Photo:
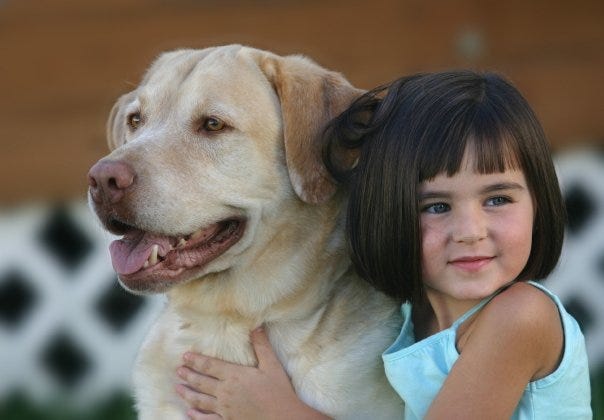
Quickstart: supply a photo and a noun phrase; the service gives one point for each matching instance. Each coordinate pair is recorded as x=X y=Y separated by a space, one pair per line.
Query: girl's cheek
x=432 y=231
x=433 y=239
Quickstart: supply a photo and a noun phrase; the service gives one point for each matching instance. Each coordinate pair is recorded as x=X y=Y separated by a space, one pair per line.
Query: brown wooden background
x=64 y=62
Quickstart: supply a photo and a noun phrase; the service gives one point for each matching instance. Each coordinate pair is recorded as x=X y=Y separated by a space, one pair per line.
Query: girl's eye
x=134 y=120
x=436 y=208
x=497 y=201
x=213 y=124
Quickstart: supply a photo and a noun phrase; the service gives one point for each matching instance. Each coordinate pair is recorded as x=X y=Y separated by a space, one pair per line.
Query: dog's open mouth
x=141 y=254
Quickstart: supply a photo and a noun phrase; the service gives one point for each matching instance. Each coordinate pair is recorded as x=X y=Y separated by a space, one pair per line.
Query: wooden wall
x=64 y=62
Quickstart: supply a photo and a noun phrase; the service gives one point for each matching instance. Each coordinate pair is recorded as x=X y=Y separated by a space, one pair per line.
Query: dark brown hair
x=418 y=127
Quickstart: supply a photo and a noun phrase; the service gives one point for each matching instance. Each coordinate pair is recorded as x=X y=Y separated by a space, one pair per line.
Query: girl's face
x=476 y=231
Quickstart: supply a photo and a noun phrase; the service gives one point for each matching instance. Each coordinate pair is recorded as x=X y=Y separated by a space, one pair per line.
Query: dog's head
x=201 y=153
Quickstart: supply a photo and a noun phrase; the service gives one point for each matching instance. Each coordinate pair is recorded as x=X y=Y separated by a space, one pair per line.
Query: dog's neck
x=313 y=263
x=286 y=289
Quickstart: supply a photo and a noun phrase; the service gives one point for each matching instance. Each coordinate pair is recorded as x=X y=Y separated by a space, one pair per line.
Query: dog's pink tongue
x=129 y=254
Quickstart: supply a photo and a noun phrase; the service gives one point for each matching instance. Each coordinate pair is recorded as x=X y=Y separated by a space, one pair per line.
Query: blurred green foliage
x=597 y=394
x=17 y=407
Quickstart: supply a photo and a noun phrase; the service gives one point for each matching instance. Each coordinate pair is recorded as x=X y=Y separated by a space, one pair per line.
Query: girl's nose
x=469 y=226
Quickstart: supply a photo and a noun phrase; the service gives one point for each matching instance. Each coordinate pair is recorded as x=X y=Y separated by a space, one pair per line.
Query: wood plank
x=63 y=63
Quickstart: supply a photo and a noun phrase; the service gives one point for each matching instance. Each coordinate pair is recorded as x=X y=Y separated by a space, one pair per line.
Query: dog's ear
x=310 y=97
x=116 y=123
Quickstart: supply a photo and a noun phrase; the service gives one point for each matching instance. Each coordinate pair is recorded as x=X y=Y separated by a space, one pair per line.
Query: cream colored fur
x=290 y=271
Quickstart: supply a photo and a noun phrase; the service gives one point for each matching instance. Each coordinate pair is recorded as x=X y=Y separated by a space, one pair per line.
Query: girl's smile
x=471 y=263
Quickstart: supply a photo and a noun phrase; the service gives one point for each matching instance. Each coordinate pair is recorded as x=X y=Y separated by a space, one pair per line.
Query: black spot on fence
x=577 y=309
x=580 y=208
x=17 y=298
x=65 y=360
x=63 y=239
x=118 y=307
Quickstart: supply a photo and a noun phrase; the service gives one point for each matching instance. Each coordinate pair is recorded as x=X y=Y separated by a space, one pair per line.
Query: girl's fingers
x=196 y=400
x=264 y=350
x=200 y=383
x=199 y=415
x=206 y=365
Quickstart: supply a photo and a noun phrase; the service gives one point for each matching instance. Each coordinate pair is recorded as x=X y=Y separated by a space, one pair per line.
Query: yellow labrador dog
x=216 y=183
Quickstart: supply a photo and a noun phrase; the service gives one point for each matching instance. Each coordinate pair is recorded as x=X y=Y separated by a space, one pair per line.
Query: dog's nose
x=109 y=180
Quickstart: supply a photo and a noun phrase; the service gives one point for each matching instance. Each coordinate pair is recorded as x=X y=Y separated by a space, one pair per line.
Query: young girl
x=455 y=208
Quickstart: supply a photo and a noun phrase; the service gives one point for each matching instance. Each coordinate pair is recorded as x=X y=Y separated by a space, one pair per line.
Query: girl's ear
x=116 y=123
x=310 y=97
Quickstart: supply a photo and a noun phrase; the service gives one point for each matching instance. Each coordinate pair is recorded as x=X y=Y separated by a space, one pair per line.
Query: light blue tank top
x=417 y=370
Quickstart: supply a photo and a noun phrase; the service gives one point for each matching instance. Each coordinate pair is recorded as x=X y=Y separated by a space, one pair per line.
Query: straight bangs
x=472 y=128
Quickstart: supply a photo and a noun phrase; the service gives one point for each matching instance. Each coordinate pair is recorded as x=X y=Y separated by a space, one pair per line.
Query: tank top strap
x=471 y=312
x=477 y=307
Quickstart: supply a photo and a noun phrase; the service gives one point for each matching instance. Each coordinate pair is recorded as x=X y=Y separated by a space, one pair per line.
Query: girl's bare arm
x=516 y=338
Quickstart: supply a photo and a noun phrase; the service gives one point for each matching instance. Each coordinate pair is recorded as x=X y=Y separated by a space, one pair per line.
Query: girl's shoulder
x=523 y=319
x=521 y=306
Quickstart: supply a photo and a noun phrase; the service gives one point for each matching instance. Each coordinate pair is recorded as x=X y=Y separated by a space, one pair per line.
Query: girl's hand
x=217 y=389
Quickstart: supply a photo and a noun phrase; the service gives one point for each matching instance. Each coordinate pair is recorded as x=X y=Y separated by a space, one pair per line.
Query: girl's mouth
x=471 y=264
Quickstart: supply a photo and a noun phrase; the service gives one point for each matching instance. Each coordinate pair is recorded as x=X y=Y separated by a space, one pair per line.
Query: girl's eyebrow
x=502 y=186
x=428 y=195
x=499 y=186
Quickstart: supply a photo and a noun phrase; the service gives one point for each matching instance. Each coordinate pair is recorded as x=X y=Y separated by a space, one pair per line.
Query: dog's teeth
x=196 y=234
x=181 y=243
x=153 y=257
x=146 y=264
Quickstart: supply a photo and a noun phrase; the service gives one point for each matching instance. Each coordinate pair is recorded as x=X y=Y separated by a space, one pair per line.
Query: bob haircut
x=416 y=128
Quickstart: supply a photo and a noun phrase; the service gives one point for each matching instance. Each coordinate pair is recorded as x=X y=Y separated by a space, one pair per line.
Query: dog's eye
x=134 y=120
x=213 y=124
